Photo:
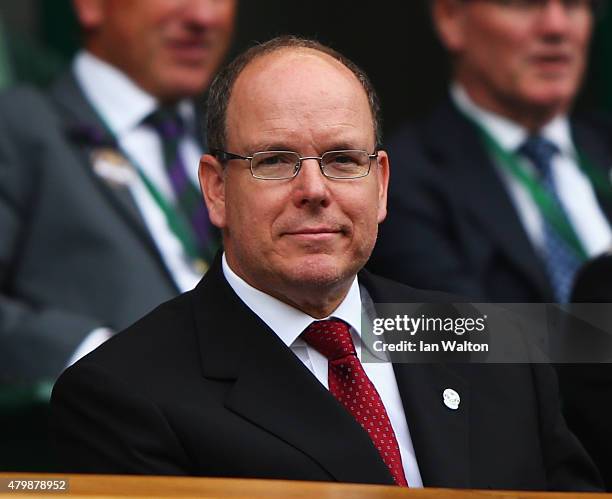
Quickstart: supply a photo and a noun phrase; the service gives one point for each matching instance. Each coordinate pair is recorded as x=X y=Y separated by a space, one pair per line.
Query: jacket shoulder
x=384 y=290
x=159 y=341
x=27 y=112
x=24 y=99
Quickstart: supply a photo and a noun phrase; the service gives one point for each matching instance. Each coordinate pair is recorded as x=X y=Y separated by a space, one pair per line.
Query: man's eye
x=277 y=160
x=344 y=159
x=270 y=161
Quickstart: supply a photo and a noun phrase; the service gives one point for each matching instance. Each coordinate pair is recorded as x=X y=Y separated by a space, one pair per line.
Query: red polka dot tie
x=349 y=383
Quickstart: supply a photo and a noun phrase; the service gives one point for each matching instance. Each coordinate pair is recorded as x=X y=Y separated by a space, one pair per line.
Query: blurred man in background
x=501 y=194
x=98 y=183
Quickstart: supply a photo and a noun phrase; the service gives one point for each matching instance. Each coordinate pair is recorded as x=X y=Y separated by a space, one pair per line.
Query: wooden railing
x=91 y=486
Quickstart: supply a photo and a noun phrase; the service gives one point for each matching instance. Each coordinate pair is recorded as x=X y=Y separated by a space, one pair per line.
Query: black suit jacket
x=202 y=386
x=452 y=224
x=586 y=388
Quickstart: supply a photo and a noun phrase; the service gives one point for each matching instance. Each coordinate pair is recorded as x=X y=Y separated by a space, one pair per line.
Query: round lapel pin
x=451 y=399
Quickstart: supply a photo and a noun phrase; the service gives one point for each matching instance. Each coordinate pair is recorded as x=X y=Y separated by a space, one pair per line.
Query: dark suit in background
x=452 y=224
x=202 y=386
x=76 y=254
x=79 y=251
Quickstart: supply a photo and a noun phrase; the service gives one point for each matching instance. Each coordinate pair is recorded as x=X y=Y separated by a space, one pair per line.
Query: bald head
x=222 y=88
x=308 y=84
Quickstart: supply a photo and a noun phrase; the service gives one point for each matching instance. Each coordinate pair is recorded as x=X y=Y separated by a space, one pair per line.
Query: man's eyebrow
x=344 y=145
x=332 y=146
x=266 y=146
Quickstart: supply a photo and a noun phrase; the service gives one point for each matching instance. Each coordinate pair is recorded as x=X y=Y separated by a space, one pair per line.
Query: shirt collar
x=508 y=134
x=286 y=321
x=121 y=103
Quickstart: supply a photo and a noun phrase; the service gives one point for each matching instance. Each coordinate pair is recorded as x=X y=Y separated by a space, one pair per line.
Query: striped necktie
x=188 y=199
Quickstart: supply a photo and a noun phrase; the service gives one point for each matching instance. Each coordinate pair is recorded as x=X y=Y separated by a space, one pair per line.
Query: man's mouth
x=552 y=62
x=317 y=233
x=195 y=50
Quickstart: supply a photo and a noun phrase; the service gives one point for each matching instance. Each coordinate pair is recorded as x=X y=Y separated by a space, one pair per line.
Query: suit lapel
x=87 y=133
x=457 y=150
x=440 y=435
x=275 y=391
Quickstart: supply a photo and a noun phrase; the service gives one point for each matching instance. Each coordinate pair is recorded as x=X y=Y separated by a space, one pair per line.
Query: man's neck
x=318 y=300
x=316 y=305
x=285 y=319
x=508 y=134
x=110 y=59
x=530 y=116
x=315 y=300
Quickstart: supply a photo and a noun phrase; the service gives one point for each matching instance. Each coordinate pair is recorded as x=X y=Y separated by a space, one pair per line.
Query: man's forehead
x=287 y=56
x=294 y=75
x=289 y=67
x=285 y=89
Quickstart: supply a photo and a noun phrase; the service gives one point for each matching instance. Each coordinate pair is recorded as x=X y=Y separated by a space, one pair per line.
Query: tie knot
x=540 y=151
x=167 y=122
x=330 y=338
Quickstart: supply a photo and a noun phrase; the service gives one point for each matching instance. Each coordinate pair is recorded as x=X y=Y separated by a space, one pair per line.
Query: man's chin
x=551 y=94
x=183 y=82
x=318 y=270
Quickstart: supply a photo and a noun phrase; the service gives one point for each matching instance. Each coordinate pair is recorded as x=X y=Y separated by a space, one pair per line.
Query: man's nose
x=555 y=17
x=311 y=187
x=205 y=12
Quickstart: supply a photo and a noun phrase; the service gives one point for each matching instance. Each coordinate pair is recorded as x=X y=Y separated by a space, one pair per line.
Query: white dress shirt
x=122 y=106
x=289 y=323
x=573 y=186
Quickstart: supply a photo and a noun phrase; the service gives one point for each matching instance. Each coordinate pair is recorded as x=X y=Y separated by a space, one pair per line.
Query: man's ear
x=212 y=183
x=90 y=13
x=383 y=184
x=448 y=19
